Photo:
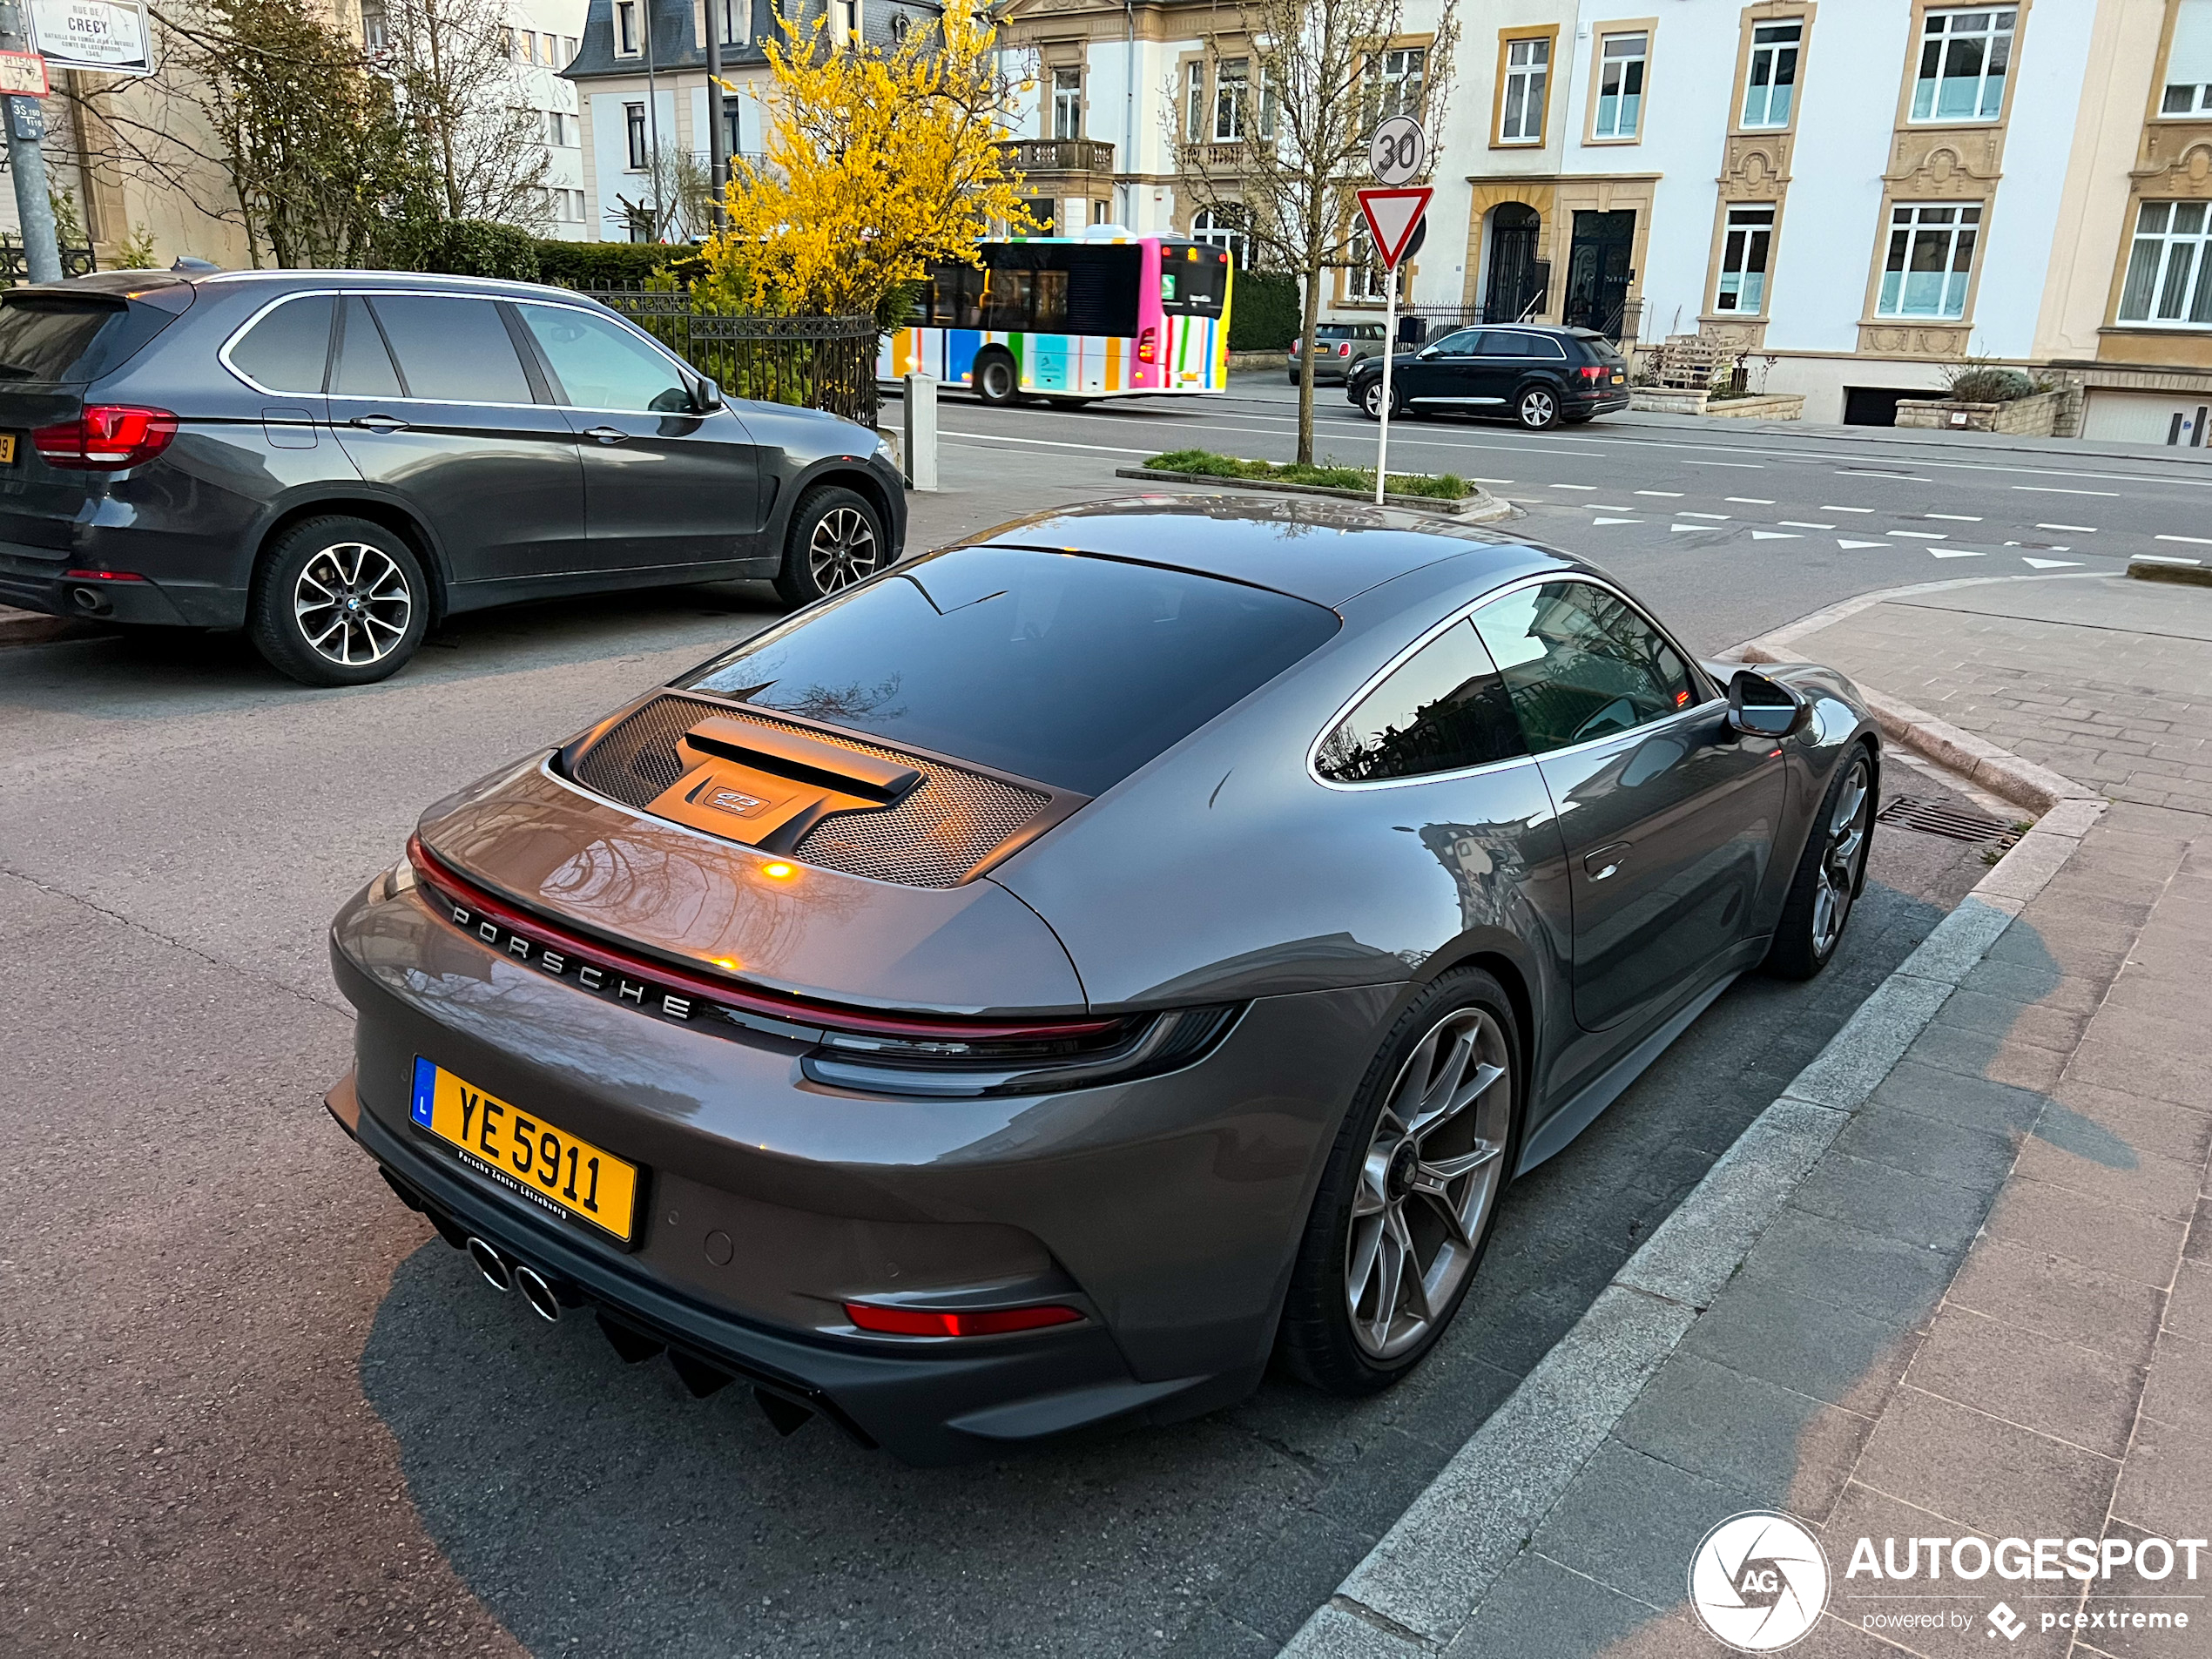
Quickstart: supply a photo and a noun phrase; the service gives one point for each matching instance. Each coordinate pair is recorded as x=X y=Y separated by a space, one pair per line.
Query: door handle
x=378 y=423
x=607 y=434
x=1605 y=860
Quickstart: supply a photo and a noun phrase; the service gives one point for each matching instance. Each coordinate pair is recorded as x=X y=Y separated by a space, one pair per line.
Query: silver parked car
x=1338 y=347
x=1038 y=984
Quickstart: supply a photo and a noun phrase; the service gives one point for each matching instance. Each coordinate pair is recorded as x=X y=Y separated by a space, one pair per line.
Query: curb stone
x=1420 y=1585
x=1479 y=508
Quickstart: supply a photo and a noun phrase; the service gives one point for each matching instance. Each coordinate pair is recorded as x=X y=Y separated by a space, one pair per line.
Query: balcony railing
x=1060 y=155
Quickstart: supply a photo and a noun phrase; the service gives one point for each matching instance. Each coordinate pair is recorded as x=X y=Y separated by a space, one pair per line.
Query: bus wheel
x=995 y=380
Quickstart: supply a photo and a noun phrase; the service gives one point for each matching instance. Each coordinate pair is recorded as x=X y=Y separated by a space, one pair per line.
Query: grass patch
x=1436 y=485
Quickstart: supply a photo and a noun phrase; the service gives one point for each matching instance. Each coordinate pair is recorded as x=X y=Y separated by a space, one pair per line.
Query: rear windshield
x=1070 y=669
x=59 y=337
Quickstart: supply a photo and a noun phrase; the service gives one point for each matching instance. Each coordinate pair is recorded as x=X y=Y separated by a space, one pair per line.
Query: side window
x=1581 y=663
x=288 y=349
x=1442 y=709
x=1462 y=344
x=364 y=367
x=452 y=350
x=598 y=364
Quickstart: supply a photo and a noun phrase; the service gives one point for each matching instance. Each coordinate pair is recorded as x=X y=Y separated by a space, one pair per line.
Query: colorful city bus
x=1072 y=318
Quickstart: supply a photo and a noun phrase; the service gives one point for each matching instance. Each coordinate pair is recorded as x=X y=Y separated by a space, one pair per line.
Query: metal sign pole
x=27 y=161
x=1390 y=350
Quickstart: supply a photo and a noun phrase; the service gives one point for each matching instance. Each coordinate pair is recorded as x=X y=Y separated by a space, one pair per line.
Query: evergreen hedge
x=602 y=265
x=1264 y=312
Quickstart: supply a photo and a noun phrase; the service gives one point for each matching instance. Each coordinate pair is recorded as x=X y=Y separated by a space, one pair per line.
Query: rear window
x=1070 y=669
x=60 y=337
x=451 y=350
x=287 y=351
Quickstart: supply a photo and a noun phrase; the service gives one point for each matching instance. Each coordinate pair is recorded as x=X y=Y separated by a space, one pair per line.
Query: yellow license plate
x=7 y=449
x=525 y=1154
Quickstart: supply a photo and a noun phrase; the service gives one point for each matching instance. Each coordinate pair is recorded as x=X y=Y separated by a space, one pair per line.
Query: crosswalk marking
x=1776 y=535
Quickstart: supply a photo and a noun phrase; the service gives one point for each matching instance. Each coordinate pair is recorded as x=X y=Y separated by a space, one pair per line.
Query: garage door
x=2147 y=417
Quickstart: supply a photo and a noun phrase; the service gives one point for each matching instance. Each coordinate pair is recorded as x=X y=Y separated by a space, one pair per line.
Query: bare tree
x=676 y=202
x=1280 y=150
x=452 y=66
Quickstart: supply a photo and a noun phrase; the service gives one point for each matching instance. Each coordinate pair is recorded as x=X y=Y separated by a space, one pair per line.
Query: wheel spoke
x=1435 y=1172
x=1412 y=1287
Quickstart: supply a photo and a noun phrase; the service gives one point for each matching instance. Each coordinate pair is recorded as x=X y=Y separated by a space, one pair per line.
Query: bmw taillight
x=1148 y=345
x=107 y=437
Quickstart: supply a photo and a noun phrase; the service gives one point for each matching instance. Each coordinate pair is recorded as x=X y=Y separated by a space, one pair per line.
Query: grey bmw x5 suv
x=334 y=460
x=1037 y=984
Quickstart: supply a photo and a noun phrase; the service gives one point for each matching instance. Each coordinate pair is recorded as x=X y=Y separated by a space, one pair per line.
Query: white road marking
x=1503 y=480
x=1955 y=553
x=2164 y=558
x=1606 y=507
x=1831 y=507
x=1678 y=529
x=1751 y=501
x=1869 y=472
x=1566 y=485
x=1674 y=493
x=2051 y=564
x=1050 y=443
x=1616 y=521
x=1775 y=536
x=2085 y=529
x=1721 y=517
x=1920 y=536
x=2053 y=489
x=1749 y=466
x=2049 y=547
x=1803 y=524
x=1956 y=518
x=1841 y=542
x=2193 y=540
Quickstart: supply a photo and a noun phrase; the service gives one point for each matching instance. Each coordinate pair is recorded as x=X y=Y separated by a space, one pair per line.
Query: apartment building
x=545 y=35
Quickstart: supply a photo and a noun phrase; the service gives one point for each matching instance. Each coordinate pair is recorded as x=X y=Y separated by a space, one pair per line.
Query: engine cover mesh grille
x=932 y=838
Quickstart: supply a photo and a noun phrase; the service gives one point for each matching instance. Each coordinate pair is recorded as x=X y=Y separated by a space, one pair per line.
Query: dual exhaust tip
x=505 y=1275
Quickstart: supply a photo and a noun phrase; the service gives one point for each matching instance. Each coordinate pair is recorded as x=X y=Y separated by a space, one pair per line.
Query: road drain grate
x=1938 y=818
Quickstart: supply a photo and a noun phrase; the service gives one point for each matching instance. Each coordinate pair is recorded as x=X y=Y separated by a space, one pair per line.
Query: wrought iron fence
x=819 y=363
x=15 y=264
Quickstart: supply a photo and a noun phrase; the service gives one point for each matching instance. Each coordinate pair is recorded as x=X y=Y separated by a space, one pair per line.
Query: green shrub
x=1264 y=312
x=606 y=265
x=1437 y=486
x=471 y=247
x=1987 y=383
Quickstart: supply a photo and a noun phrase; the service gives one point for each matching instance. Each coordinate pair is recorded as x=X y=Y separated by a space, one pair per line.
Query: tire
x=1343 y=1331
x=836 y=538
x=337 y=602
x=1831 y=871
x=996 y=379
x=1536 y=407
x=1293 y=377
x=1371 y=401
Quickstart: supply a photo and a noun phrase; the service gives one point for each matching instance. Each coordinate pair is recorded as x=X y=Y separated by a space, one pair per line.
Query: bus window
x=1102 y=288
x=954 y=299
x=1194 y=281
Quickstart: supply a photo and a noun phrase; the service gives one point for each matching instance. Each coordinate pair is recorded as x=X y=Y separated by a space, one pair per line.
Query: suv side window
x=1511 y=343
x=288 y=349
x=1463 y=344
x=364 y=367
x=1443 y=708
x=1579 y=663
x=451 y=349
x=598 y=364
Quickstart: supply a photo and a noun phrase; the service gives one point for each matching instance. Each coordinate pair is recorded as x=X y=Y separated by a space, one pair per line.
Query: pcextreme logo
x=1758 y=1582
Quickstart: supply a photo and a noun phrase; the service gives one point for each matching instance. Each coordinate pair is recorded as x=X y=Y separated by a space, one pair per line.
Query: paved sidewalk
x=1985 y=1310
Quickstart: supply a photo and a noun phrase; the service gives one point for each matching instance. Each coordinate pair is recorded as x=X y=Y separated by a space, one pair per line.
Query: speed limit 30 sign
x=1398 y=151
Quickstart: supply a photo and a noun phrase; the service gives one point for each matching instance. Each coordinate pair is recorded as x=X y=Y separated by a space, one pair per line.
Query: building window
x=1067 y=104
x=1228 y=80
x=625 y=28
x=567 y=49
x=633 y=125
x=525 y=44
x=1270 y=104
x=1771 y=90
x=1963 y=58
x=736 y=17
x=731 y=128
x=1931 y=254
x=1619 y=85
x=844 y=22
x=1744 y=245
x=1194 y=112
x=1366 y=282
x=2189 y=62
x=1528 y=64
x=374 y=30
x=2169 y=273
x=1220 y=228
x=1402 y=73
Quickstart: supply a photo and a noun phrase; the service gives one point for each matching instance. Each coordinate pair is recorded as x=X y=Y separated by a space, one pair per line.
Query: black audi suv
x=1539 y=376
x=335 y=460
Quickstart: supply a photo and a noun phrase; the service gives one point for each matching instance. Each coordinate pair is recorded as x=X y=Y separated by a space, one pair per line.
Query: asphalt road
x=250 y=1405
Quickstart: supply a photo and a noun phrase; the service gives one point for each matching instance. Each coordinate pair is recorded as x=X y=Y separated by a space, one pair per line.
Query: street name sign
x=109 y=37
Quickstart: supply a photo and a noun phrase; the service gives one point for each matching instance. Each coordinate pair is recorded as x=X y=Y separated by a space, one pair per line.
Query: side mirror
x=708 y=396
x=1426 y=351
x=1759 y=707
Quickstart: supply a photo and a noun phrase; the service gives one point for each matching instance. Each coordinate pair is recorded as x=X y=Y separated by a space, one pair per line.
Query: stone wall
x=1668 y=400
x=2034 y=416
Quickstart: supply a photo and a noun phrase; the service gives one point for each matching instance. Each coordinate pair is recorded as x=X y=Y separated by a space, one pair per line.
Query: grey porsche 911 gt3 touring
x=1038 y=984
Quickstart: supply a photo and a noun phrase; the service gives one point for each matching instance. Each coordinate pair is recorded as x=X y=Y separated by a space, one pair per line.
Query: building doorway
x=1598 y=272
x=1515 y=283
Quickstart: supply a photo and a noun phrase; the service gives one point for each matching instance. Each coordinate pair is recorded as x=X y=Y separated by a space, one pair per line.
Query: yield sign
x=1392 y=215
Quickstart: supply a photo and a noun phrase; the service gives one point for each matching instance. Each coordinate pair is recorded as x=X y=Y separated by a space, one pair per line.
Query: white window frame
x=375 y=28
x=1748 y=227
x=845 y=24
x=1921 y=224
x=635 y=135
x=1365 y=282
x=1941 y=36
x=1401 y=81
x=1231 y=79
x=625 y=28
x=1623 y=67
x=1777 y=47
x=1526 y=91
x=736 y=21
x=2186 y=89
x=1218 y=227
x=1067 y=101
x=1194 y=110
x=2169 y=269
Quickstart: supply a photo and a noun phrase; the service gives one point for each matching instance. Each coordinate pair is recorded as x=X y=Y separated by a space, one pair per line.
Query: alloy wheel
x=842 y=550
x=1538 y=408
x=353 y=603
x=1371 y=399
x=1433 y=1167
x=1846 y=850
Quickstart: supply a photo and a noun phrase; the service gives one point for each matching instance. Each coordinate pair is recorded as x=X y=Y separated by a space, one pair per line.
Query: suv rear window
x=50 y=337
x=1070 y=669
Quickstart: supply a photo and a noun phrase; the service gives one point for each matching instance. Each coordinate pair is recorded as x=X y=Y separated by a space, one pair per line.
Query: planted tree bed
x=1434 y=492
